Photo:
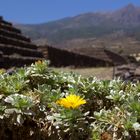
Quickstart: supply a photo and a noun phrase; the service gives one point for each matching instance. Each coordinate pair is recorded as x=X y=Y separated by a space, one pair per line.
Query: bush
x=38 y=103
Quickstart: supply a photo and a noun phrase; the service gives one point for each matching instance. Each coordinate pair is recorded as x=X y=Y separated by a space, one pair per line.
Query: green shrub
x=39 y=103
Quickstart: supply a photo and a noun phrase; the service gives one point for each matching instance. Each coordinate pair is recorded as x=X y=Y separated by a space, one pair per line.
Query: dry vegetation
x=101 y=73
x=116 y=42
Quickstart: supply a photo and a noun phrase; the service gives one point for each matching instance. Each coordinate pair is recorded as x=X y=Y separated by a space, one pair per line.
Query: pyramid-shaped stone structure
x=16 y=49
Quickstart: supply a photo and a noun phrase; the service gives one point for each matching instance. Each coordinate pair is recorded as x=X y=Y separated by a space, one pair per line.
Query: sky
x=40 y=11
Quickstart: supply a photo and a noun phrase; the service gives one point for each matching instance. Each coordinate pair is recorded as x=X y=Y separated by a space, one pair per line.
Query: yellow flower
x=38 y=62
x=71 y=101
x=2 y=71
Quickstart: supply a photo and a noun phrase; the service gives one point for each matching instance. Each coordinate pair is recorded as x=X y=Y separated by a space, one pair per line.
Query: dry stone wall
x=15 y=48
x=130 y=72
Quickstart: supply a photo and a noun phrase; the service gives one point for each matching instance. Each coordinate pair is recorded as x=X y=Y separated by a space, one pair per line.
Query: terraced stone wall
x=15 y=48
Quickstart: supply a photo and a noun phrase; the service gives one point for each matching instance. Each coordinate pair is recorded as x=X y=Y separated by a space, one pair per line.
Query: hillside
x=86 y=26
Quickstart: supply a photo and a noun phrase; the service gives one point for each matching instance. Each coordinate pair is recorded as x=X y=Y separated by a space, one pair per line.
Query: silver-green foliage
x=112 y=108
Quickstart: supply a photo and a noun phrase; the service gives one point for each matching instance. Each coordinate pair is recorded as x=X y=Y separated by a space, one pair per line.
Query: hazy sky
x=39 y=11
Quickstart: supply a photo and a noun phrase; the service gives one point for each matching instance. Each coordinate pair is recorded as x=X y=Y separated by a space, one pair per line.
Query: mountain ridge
x=88 y=25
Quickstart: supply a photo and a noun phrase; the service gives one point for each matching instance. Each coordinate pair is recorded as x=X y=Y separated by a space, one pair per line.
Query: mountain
x=86 y=26
x=129 y=15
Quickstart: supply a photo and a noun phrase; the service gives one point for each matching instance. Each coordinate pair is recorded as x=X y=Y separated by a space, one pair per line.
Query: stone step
x=15 y=42
x=11 y=34
x=5 y=22
x=9 y=28
x=10 y=49
x=18 y=61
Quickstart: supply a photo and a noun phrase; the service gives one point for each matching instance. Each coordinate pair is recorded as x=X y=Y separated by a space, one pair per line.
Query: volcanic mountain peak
x=86 y=25
x=129 y=15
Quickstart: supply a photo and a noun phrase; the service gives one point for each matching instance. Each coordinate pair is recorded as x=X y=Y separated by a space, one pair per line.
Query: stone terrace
x=16 y=49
